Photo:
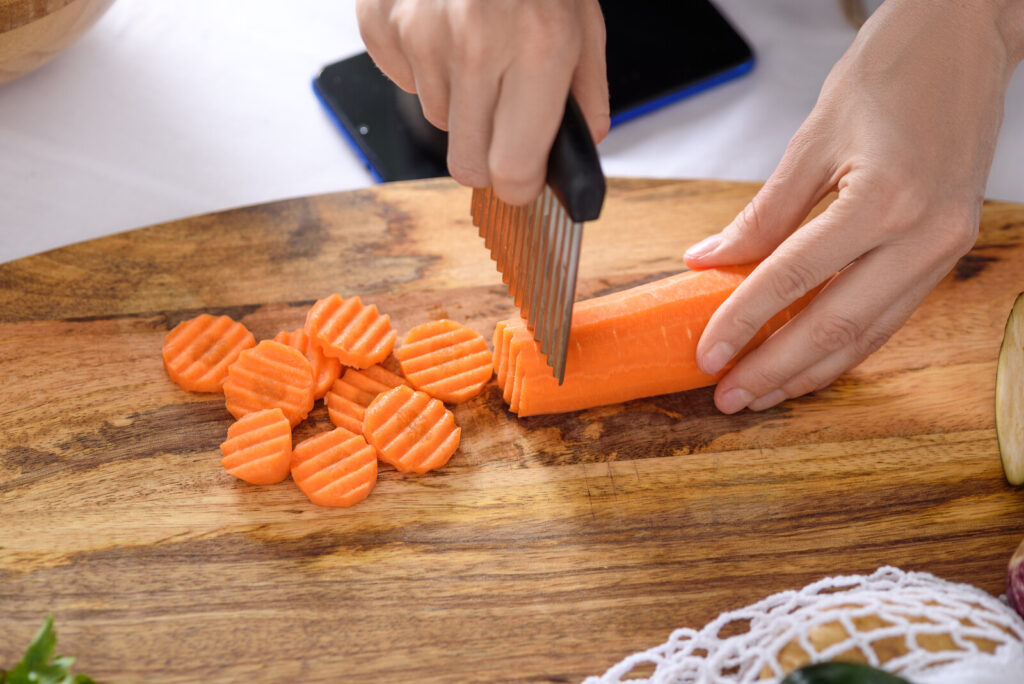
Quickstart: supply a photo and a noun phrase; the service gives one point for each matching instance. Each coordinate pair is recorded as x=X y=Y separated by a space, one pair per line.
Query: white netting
x=926 y=629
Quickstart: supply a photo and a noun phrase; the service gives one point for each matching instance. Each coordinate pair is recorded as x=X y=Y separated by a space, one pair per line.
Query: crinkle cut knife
x=537 y=245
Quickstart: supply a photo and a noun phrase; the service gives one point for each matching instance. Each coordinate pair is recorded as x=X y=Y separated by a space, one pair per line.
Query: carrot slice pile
x=197 y=352
x=259 y=447
x=325 y=369
x=352 y=393
x=411 y=430
x=270 y=375
x=637 y=343
x=358 y=335
x=446 y=360
x=336 y=468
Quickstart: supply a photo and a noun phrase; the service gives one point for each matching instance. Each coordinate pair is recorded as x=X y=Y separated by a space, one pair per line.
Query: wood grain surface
x=549 y=547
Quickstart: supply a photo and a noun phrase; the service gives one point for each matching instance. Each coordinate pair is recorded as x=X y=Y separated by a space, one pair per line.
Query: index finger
x=803 y=261
x=526 y=118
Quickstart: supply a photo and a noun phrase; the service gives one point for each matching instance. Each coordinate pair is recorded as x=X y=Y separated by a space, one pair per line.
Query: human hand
x=494 y=74
x=904 y=130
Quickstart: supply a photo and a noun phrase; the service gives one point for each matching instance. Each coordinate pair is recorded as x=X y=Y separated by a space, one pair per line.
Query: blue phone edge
x=353 y=143
x=620 y=118
x=690 y=90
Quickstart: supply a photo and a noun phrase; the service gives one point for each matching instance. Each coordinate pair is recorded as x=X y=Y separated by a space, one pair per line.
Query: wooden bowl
x=32 y=32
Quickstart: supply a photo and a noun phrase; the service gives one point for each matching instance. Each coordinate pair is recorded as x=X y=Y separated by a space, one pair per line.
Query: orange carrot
x=259 y=447
x=637 y=343
x=197 y=352
x=352 y=393
x=446 y=360
x=411 y=430
x=359 y=336
x=270 y=375
x=336 y=468
x=325 y=369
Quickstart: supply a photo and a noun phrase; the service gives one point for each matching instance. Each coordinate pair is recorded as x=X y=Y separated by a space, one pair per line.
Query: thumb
x=786 y=198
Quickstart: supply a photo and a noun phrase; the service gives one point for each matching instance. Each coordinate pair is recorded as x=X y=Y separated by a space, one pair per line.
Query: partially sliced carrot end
x=270 y=375
x=446 y=360
x=336 y=468
x=258 y=449
x=411 y=430
x=198 y=352
x=325 y=368
x=352 y=393
x=357 y=335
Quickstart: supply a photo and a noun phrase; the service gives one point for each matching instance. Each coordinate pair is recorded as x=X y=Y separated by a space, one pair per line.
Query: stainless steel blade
x=536 y=248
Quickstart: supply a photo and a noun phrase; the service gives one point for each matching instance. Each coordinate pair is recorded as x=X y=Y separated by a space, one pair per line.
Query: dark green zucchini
x=841 y=673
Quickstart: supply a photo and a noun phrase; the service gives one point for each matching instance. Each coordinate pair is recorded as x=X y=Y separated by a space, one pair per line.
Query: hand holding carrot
x=495 y=74
x=904 y=130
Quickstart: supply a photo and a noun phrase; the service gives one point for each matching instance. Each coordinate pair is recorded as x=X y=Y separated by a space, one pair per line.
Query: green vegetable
x=841 y=673
x=35 y=666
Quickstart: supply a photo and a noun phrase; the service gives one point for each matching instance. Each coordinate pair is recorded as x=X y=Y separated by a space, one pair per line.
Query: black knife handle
x=574 y=170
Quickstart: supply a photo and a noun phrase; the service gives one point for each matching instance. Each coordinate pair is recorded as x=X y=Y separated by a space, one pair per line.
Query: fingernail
x=767 y=401
x=715 y=358
x=734 y=400
x=704 y=247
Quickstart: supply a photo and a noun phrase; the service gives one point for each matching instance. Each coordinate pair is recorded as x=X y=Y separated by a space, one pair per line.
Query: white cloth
x=169 y=109
x=929 y=630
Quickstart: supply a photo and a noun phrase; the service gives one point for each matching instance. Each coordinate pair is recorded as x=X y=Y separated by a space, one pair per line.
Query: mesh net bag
x=927 y=630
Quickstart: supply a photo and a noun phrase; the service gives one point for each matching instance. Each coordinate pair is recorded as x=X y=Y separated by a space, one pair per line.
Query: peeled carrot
x=197 y=352
x=446 y=360
x=357 y=335
x=259 y=447
x=637 y=343
x=336 y=468
x=270 y=375
x=325 y=369
x=352 y=393
x=411 y=430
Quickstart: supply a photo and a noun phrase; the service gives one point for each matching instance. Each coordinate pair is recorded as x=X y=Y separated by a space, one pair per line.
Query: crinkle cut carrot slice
x=411 y=430
x=352 y=393
x=446 y=360
x=270 y=375
x=336 y=468
x=259 y=447
x=197 y=352
x=325 y=368
x=346 y=329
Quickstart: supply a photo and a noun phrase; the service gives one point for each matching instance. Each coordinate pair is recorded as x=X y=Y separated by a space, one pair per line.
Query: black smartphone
x=658 y=51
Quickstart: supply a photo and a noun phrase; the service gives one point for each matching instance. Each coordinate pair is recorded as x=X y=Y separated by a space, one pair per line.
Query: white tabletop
x=170 y=109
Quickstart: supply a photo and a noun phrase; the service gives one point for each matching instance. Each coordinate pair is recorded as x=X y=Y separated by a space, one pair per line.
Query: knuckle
x=792 y=280
x=834 y=331
x=751 y=222
x=957 y=237
x=744 y=325
x=810 y=381
x=761 y=379
x=473 y=53
x=805 y=384
x=873 y=339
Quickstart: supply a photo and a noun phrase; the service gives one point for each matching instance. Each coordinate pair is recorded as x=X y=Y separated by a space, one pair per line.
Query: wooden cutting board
x=549 y=547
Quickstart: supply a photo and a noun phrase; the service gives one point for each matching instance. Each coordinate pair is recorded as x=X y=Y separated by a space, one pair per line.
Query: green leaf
x=35 y=666
x=41 y=648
